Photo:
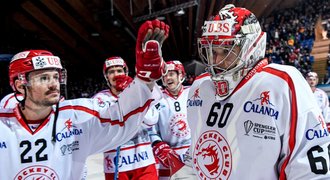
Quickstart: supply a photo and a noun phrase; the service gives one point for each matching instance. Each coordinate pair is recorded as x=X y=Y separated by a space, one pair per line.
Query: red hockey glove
x=164 y=153
x=175 y=163
x=122 y=81
x=149 y=61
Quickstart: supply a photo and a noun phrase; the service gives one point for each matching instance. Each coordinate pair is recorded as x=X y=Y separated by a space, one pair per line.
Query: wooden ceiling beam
x=172 y=36
x=258 y=7
x=211 y=9
x=140 y=5
x=124 y=11
x=270 y=7
x=54 y=7
x=108 y=36
x=198 y=26
x=30 y=26
x=48 y=23
x=191 y=30
x=51 y=44
x=54 y=28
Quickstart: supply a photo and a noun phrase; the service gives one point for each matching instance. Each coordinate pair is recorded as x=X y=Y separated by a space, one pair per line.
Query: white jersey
x=135 y=153
x=83 y=127
x=267 y=129
x=172 y=126
x=9 y=101
x=323 y=102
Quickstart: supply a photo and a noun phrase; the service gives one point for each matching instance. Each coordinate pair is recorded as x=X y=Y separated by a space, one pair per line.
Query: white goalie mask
x=231 y=44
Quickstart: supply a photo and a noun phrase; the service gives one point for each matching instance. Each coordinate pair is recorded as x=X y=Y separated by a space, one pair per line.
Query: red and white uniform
x=323 y=102
x=135 y=153
x=172 y=126
x=9 y=101
x=83 y=127
x=266 y=129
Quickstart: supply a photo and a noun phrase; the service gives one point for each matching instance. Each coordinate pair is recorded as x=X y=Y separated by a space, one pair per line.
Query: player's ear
x=19 y=86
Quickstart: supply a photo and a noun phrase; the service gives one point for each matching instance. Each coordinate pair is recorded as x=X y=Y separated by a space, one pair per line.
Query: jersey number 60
x=217 y=110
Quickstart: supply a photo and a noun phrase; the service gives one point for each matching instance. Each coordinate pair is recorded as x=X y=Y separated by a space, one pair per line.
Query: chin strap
x=21 y=101
x=55 y=122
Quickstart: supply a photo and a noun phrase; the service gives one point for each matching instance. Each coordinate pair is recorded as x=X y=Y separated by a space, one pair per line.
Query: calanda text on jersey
x=135 y=153
x=267 y=129
x=83 y=127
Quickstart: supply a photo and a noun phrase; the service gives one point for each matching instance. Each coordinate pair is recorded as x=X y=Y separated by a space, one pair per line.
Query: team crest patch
x=37 y=172
x=212 y=156
x=179 y=126
x=222 y=87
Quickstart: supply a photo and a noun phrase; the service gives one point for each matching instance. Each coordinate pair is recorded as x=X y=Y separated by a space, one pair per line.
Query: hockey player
x=136 y=159
x=73 y=129
x=250 y=119
x=320 y=96
x=172 y=133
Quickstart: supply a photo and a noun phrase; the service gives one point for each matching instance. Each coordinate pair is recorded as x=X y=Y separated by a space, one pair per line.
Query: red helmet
x=32 y=60
x=114 y=61
x=176 y=65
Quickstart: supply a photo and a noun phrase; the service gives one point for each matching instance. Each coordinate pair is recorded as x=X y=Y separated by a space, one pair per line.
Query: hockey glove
x=164 y=153
x=122 y=81
x=175 y=163
x=150 y=65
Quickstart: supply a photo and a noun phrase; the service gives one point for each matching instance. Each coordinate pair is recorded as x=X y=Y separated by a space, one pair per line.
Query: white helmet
x=111 y=62
x=233 y=27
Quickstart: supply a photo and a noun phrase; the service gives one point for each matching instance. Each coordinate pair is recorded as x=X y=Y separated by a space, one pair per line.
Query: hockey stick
x=116 y=175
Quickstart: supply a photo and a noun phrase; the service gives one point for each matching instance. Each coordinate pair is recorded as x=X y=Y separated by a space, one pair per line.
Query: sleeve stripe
x=131 y=147
x=294 y=116
x=136 y=111
x=7 y=101
x=104 y=120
